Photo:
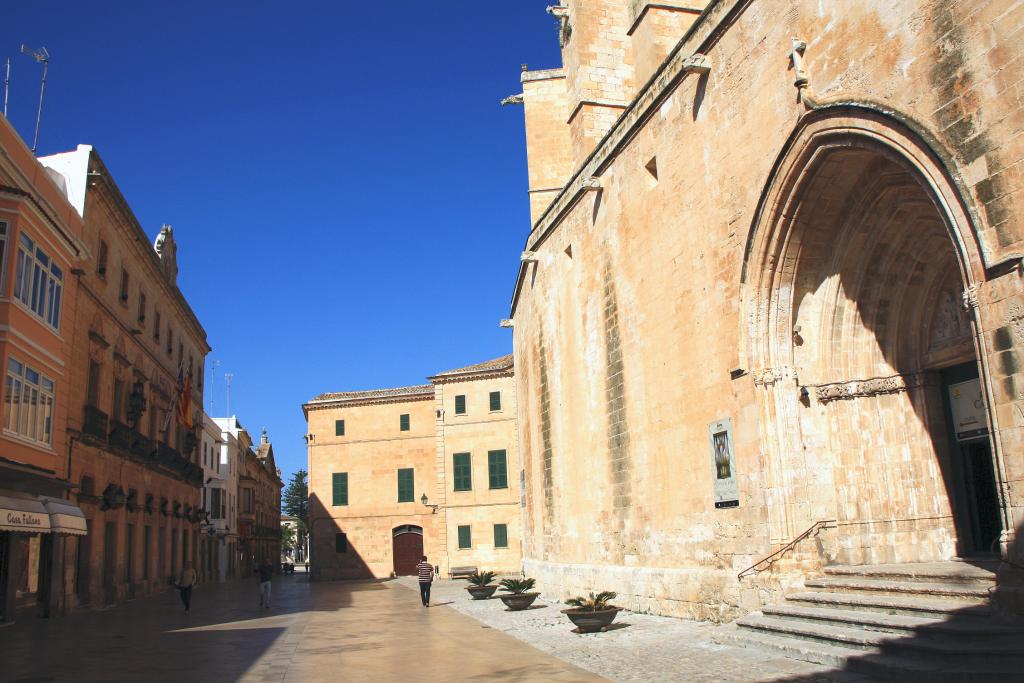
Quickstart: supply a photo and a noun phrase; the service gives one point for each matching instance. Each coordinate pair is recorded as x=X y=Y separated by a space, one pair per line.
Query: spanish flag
x=184 y=403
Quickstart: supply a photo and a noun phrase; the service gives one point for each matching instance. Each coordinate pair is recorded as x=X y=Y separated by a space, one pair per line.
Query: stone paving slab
x=331 y=631
x=640 y=648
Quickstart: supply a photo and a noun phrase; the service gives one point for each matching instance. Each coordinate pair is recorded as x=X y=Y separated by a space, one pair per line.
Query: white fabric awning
x=65 y=517
x=24 y=514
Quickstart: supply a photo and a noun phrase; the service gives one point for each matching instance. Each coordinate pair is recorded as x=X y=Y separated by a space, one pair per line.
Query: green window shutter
x=501 y=535
x=339 y=428
x=340 y=543
x=339 y=481
x=495 y=400
x=462 y=471
x=465 y=538
x=405 y=485
x=460 y=404
x=497 y=469
x=403 y=422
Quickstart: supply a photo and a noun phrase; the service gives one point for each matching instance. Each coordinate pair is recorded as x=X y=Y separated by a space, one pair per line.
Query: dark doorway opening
x=977 y=497
x=408 y=549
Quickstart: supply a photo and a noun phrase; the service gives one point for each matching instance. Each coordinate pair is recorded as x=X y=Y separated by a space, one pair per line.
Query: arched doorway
x=407 y=548
x=872 y=405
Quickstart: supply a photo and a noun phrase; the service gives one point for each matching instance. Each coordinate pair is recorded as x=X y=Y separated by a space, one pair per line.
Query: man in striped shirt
x=426 y=574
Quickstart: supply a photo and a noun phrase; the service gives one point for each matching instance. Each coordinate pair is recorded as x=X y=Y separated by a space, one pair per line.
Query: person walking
x=426 y=574
x=186 y=582
x=266 y=572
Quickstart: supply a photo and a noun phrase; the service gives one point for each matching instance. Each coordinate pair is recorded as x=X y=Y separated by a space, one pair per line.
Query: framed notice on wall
x=970 y=420
x=723 y=462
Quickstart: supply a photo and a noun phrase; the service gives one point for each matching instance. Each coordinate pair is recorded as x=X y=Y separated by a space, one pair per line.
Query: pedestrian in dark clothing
x=266 y=572
x=426 y=573
x=186 y=582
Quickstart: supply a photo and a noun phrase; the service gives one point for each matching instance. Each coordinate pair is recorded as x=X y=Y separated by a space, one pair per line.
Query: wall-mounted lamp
x=433 y=508
x=528 y=257
x=505 y=322
x=593 y=183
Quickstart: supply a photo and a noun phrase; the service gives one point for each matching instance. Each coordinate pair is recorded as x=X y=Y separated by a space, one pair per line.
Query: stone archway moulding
x=762 y=348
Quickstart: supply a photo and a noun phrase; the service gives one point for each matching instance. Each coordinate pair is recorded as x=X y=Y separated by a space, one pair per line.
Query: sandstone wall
x=633 y=331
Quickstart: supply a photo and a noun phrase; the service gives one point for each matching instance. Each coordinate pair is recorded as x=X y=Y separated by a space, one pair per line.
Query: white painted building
x=218 y=548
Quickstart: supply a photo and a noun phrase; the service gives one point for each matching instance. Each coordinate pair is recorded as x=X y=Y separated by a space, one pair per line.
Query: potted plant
x=480 y=587
x=519 y=596
x=591 y=614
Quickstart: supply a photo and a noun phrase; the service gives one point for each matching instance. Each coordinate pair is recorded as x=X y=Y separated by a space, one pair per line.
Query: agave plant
x=481 y=578
x=517 y=586
x=593 y=603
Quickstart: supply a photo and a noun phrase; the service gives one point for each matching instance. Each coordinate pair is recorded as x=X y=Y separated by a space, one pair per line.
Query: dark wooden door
x=408 y=549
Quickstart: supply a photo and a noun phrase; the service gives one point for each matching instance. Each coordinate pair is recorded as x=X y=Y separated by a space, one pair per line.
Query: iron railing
x=767 y=562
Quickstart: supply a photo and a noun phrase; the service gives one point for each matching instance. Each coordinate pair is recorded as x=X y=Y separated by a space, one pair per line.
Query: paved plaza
x=352 y=631
x=369 y=631
x=637 y=648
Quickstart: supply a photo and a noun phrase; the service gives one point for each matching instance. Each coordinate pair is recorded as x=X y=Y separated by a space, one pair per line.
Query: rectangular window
x=101 y=262
x=125 y=279
x=339 y=428
x=117 y=410
x=30 y=401
x=339 y=486
x=3 y=251
x=460 y=404
x=501 y=535
x=405 y=485
x=340 y=543
x=462 y=471
x=142 y=308
x=170 y=338
x=403 y=422
x=497 y=469
x=156 y=325
x=217 y=503
x=93 y=387
x=465 y=537
x=39 y=282
x=495 y=400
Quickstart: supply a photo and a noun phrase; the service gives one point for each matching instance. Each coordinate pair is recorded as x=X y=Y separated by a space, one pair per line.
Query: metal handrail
x=771 y=559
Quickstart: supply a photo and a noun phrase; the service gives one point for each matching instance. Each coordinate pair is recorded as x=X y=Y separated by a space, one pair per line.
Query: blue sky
x=348 y=197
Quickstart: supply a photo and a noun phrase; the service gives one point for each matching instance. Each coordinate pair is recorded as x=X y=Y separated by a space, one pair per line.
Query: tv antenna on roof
x=7 y=82
x=228 y=376
x=43 y=57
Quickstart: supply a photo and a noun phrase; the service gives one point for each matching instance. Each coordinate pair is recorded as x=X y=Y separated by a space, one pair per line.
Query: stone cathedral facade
x=772 y=298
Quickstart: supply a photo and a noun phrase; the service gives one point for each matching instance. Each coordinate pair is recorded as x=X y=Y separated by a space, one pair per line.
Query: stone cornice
x=641 y=8
x=473 y=376
x=111 y=194
x=366 y=401
x=702 y=36
x=541 y=75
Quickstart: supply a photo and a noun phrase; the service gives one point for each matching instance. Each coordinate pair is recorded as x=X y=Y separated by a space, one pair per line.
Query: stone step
x=970 y=627
x=977 y=593
x=958 y=572
x=892 y=604
x=794 y=648
x=871 y=662
x=954 y=651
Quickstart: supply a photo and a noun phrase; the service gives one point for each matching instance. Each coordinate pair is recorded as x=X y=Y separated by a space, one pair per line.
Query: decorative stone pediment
x=836 y=391
x=770 y=376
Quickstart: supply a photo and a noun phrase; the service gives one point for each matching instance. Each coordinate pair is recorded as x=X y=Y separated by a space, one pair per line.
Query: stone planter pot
x=591 y=622
x=518 y=601
x=481 y=592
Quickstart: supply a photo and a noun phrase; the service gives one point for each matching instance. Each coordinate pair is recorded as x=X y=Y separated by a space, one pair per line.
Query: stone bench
x=461 y=572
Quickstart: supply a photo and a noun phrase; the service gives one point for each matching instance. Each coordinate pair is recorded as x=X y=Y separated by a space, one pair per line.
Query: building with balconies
x=134 y=387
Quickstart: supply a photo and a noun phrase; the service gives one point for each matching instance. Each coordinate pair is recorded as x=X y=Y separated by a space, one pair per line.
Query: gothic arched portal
x=869 y=383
